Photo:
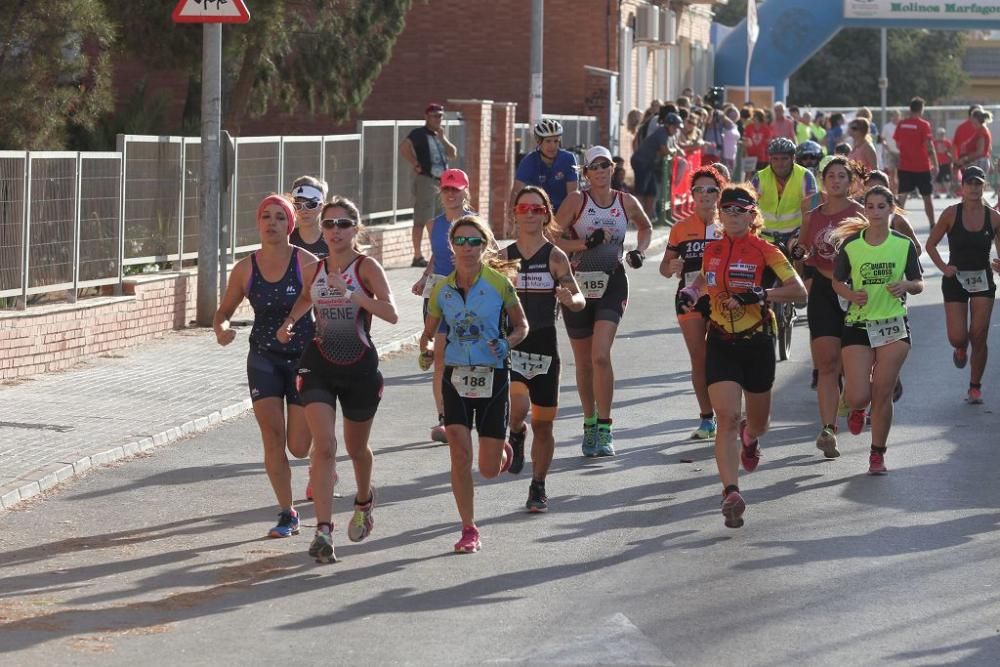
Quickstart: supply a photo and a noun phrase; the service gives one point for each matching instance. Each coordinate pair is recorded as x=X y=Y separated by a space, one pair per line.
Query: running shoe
x=897 y=391
x=537 y=500
x=975 y=396
x=362 y=522
x=733 y=507
x=516 y=441
x=438 y=434
x=418 y=262
x=590 y=439
x=876 y=464
x=508 y=457
x=856 y=421
x=605 y=442
x=470 y=543
x=322 y=548
x=288 y=524
x=826 y=442
x=959 y=357
x=815 y=379
x=705 y=430
x=749 y=453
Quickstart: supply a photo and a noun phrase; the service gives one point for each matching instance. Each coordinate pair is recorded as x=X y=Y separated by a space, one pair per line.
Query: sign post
x=211 y=13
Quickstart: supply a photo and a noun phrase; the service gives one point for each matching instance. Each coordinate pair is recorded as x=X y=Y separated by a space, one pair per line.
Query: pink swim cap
x=284 y=204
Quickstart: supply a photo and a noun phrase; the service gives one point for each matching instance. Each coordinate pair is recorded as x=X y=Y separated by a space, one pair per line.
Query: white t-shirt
x=887 y=131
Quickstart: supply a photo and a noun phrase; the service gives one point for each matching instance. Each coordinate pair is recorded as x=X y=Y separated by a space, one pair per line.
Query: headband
x=308 y=192
x=285 y=205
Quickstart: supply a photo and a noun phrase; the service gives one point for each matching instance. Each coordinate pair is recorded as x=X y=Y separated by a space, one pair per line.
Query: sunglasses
x=530 y=209
x=471 y=241
x=708 y=189
x=339 y=223
x=597 y=166
x=732 y=209
x=309 y=204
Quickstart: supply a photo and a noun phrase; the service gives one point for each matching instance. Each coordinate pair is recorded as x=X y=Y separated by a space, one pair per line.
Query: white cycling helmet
x=547 y=127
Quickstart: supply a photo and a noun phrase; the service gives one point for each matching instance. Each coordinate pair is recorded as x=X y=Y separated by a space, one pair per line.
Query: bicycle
x=784 y=313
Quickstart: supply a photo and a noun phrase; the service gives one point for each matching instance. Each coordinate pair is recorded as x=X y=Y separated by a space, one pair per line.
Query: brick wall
x=55 y=337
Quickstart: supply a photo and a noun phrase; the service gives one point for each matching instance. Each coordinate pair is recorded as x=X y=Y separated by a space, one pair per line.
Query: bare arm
x=791 y=290
x=235 y=293
x=669 y=266
x=903 y=226
x=381 y=304
x=407 y=152
x=519 y=324
x=942 y=227
x=449 y=147
x=567 y=291
x=564 y=218
x=637 y=216
x=299 y=308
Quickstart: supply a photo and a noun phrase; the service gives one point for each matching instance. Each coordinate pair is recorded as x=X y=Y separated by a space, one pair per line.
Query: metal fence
x=70 y=220
x=579 y=133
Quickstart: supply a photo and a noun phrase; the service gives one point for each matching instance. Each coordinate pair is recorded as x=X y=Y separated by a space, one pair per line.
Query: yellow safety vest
x=784 y=214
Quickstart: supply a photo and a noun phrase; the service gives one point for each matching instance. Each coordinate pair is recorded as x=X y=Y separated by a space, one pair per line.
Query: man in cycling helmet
x=785 y=190
x=808 y=154
x=549 y=166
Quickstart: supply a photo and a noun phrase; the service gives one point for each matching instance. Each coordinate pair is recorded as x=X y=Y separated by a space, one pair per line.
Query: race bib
x=883 y=332
x=592 y=283
x=529 y=365
x=432 y=280
x=973 y=281
x=689 y=277
x=473 y=381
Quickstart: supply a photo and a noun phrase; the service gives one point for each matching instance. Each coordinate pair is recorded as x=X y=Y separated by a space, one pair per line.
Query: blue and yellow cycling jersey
x=474 y=318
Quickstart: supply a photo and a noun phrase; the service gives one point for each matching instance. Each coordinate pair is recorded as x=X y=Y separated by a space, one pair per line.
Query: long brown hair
x=491 y=251
x=857 y=224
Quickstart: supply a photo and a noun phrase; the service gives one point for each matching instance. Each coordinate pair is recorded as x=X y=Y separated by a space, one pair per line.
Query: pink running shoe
x=733 y=507
x=876 y=464
x=508 y=453
x=749 y=451
x=856 y=421
x=469 y=544
x=975 y=396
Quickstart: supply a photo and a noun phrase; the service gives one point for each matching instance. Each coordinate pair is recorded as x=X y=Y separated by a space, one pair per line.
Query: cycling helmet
x=808 y=149
x=547 y=127
x=781 y=146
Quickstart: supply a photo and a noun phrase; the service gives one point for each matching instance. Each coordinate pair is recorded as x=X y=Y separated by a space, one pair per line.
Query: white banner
x=922 y=9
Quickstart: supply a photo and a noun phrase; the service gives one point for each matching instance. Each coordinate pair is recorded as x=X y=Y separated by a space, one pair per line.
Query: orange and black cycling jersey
x=688 y=239
x=733 y=266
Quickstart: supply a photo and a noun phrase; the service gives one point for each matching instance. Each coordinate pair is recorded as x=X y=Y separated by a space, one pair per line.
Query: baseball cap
x=595 y=152
x=972 y=174
x=434 y=107
x=673 y=119
x=454 y=178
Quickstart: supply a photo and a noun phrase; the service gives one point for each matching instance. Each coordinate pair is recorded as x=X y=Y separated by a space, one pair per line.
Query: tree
x=845 y=71
x=54 y=70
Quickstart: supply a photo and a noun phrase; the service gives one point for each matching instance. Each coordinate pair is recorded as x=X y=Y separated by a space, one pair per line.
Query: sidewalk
x=60 y=425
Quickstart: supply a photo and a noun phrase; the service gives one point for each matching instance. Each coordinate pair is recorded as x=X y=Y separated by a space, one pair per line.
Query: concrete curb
x=52 y=475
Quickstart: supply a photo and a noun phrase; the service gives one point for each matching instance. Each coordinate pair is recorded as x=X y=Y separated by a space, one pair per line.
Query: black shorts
x=858 y=335
x=272 y=375
x=954 y=292
x=320 y=381
x=749 y=362
x=610 y=307
x=826 y=317
x=489 y=416
x=543 y=389
x=944 y=174
x=915 y=180
x=645 y=179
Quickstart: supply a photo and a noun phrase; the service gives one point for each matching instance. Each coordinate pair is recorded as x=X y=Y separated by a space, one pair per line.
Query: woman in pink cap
x=271 y=280
x=454 y=196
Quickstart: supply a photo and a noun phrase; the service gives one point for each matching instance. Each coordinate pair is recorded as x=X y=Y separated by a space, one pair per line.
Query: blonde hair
x=491 y=251
x=338 y=201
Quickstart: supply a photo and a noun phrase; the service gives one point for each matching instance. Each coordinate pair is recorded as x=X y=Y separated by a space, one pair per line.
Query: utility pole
x=208 y=208
x=535 y=106
x=883 y=80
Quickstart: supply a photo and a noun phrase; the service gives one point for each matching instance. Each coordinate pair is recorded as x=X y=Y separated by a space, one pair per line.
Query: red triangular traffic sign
x=211 y=11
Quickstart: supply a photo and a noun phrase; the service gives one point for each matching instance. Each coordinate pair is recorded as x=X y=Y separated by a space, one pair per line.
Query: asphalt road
x=160 y=559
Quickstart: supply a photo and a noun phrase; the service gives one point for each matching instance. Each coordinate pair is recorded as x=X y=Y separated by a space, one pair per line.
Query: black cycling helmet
x=548 y=127
x=781 y=146
x=808 y=149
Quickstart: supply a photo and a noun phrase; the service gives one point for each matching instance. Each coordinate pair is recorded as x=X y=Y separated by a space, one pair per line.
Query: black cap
x=670 y=118
x=972 y=174
x=737 y=196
